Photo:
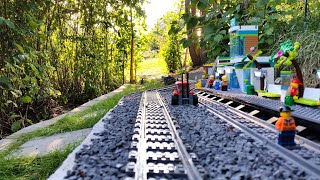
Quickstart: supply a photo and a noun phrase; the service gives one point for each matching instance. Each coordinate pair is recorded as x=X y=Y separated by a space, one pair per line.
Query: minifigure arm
x=279 y=124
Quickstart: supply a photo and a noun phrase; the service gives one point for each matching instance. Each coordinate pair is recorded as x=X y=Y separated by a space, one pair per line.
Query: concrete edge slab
x=68 y=163
x=41 y=146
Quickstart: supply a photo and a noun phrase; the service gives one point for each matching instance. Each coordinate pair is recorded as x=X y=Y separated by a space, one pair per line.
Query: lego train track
x=305 y=155
x=157 y=150
x=306 y=129
x=307 y=114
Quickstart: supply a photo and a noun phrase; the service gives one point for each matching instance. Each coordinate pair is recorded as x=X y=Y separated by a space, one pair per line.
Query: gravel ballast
x=107 y=156
x=226 y=152
x=223 y=150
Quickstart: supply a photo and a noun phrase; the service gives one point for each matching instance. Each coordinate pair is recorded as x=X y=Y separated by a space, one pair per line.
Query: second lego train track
x=306 y=154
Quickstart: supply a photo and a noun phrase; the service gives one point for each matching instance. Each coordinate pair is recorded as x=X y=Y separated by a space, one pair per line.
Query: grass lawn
x=42 y=167
x=153 y=67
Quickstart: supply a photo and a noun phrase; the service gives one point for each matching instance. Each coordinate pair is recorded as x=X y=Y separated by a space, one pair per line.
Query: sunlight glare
x=156 y=9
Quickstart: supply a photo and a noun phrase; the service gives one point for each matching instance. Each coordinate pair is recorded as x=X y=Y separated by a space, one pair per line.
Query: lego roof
x=243 y=28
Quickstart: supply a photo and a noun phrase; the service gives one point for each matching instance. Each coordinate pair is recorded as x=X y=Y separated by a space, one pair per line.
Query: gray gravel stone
x=106 y=156
x=226 y=152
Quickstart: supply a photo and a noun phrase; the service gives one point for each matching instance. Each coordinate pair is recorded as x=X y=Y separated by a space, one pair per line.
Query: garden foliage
x=54 y=51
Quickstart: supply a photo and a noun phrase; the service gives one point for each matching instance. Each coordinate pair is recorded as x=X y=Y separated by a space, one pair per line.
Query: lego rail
x=305 y=154
x=157 y=150
x=301 y=112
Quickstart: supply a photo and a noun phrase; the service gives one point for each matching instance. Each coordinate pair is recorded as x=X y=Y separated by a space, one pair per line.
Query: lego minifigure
x=286 y=126
x=224 y=85
x=292 y=92
x=217 y=83
x=211 y=80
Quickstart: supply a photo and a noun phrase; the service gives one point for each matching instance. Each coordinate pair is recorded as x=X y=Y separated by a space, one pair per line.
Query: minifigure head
x=224 y=78
x=295 y=82
x=211 y=77
x=285 y=111
x=203 y=76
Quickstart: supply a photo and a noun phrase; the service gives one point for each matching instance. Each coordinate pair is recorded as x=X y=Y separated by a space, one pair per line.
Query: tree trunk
x=185 y=57
x=131 y=49
x=203 y=54
x=299 y=76
x=123 y=78
x=192 y=33
x=259 y=67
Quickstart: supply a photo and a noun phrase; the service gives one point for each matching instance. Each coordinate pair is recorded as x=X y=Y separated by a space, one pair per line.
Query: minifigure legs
x=286 y=138
x=288 y=101
x=224 y=88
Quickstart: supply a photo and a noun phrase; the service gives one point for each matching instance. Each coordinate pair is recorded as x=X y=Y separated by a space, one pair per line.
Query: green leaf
x=254 y=20
x=274 y=16
x=223 y=32
x=58 y=93
x=25 y=99
x=19 y=48
x=202 y=4
x=33 y=24
x=218 y=38
x=187 y=43
x=29 y=121
x=5 y=82
x=216 y=51
x=262 y=3
x=13 y=116
x=269 y=31
x=9 y=24
x=209 y=29
x=186 y=17
x=16 y=126
x=269 y=41
x=203 y=43
x=238 y=7
x=207 y=36
x=1 y=20
x=192 y=22
x=173 y=30
x=182 y=41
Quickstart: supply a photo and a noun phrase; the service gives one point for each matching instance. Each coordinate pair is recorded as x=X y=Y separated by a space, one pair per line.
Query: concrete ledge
x=68 y=163
x=43 y=145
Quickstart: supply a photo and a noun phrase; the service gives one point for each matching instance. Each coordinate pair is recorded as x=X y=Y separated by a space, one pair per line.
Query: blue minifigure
x=217 y=83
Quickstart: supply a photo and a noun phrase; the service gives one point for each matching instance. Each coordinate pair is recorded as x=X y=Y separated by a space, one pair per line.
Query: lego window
x=257 y=73
x=240 y=46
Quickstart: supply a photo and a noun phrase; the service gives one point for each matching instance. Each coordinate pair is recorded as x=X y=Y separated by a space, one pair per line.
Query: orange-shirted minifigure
x=286 y=126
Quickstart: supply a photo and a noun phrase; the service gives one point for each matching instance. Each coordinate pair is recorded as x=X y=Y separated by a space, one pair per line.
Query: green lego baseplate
x=309 y=102
x=268 y=94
